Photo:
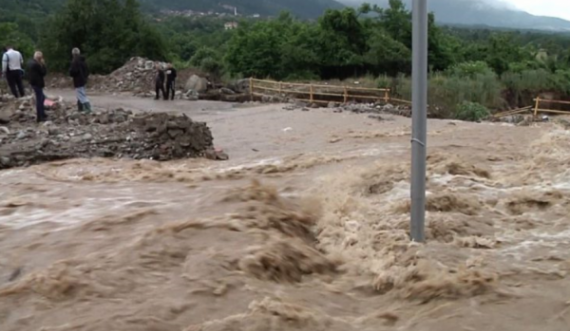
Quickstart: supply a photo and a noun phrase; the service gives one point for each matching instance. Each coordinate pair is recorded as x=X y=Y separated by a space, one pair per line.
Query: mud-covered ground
x=304 y=228
x=114 y=133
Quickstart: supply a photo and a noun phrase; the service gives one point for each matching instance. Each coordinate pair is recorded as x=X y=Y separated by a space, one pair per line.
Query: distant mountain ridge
x=492 y=13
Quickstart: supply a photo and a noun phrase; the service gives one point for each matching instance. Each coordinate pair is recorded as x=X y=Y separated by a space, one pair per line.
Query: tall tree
x=108 y=31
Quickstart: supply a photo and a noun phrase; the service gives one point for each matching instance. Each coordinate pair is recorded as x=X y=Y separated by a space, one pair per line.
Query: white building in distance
x=231 y=25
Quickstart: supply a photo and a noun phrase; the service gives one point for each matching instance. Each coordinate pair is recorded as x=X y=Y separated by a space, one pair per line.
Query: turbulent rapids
x=305 y=228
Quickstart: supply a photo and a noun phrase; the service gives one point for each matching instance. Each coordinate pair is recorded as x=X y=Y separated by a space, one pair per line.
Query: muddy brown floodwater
x=305 y=228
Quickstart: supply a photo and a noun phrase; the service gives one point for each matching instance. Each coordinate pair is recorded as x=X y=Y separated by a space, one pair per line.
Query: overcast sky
x=556 y=8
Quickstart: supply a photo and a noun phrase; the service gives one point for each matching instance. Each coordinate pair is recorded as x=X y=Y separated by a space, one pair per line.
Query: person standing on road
x=170 y=82
x=80 y=73
x=37 y=71
x=12 y=62
x=159 y=82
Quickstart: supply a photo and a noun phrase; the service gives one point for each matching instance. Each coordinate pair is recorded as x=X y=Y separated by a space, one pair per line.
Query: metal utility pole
x=419 y=118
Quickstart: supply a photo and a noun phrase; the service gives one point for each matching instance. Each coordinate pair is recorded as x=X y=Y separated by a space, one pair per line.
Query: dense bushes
x=108 y=31
x=340 y=44
x=11 y=35
x=473 y=83
x=447 y=93
x=471 y=111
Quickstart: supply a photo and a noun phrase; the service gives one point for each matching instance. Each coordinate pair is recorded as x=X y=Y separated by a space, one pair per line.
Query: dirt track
x=320 y=244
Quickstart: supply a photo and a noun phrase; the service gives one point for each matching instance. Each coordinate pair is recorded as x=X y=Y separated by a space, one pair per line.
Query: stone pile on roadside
x=138 y=75
x=114 y=133
x=357 y=108
x=371 y=108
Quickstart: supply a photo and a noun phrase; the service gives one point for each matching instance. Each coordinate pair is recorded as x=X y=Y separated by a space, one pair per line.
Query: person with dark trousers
x=159 y=82
x=170 y=82
x=80 y=73
x=12 y=62
x=37 y=71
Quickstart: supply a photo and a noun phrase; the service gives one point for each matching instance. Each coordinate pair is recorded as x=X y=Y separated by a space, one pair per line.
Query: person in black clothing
x=170 y=82
x=80 y=72
x=159 y=82
x=37 y=71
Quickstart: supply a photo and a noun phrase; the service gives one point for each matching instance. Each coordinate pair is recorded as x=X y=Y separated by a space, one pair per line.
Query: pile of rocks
x=358 y=108
x=163 y=136
x=22 y=111
x=113 y=133
x=377 y=108
x=137 y=75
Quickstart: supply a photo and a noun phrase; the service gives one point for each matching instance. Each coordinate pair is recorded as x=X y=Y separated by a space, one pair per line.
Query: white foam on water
x=401 y=191
x=245 y=166
x=120 y=202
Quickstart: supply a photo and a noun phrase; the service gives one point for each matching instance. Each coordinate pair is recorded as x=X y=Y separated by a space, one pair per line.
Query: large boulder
x=5 y=115
x=196 y=83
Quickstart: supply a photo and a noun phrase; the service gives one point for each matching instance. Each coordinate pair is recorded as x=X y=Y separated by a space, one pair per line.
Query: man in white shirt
x=12 y=62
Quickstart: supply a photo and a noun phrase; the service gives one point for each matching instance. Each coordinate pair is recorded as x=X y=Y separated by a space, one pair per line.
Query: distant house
x=231 y=25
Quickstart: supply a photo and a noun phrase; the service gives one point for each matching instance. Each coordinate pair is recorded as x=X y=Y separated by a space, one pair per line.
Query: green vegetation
x=110 y=31
x=470 y=69
x=471 y=111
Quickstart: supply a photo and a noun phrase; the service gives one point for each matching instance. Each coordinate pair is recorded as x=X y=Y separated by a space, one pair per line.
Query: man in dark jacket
x=80 y=72
x=37 y=71
x=170 y=82
x=159 y=82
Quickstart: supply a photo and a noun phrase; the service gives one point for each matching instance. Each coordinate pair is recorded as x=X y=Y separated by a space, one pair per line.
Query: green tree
x=388 y=55
x=10 y=35
x=254 y=51
x=341 y=42
x=397 y=21
x=108 y=31
x=501 y=50
x=299 y=55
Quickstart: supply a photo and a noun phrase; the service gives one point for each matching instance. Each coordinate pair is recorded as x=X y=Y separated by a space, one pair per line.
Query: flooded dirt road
x=305 y=228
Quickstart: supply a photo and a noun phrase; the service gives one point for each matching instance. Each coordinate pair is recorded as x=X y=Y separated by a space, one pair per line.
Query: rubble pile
x=165 y=136
x=371 y=108
x=113 y=133
x=358 y=108
x=137 y=76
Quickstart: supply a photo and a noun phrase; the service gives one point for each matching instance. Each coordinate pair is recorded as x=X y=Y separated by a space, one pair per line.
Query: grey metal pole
x=419 y=118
